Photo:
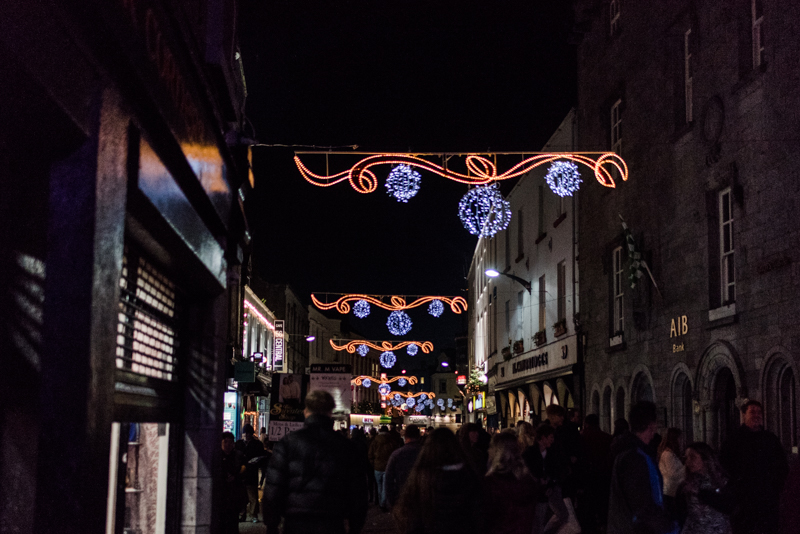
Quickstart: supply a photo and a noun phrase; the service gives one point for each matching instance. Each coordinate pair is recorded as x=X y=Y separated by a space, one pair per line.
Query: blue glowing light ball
x=362 y=350
x=429 y=403
x=449 y=402
x=483 y=211
x=436 y=308
x=440 y=402
x=402 y=382
x=387 y=359
x=453 y=408
x=399 y=323
x=396 y=402
x=366 y=382
x=410 y=402
x=403 y=183
x=412 y=350
x=419 y=408
x=422 y=396
x=563 y=178
x=361 y=308
x=384 y=389
x=397 y=397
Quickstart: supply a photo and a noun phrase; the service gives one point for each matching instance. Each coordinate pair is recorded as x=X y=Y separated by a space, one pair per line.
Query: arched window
x=605 y=419
x=596 y=403
x=549 y=395
x=780 y=402
x=682 y=406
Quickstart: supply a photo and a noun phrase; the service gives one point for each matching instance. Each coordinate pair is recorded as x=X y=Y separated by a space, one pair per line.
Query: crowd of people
x=564 y=476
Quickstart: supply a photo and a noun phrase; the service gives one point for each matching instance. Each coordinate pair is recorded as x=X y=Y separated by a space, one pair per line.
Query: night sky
x=423 y=76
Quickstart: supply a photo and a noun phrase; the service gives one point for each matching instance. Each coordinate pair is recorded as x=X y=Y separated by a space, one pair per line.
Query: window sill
x=541 y=238
x=616 y=343
x=560 y=219
x=682 y=130
x=749 y=77
x=724 y=315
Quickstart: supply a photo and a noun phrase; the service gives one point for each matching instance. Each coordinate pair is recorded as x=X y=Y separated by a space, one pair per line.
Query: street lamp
x=494 y=273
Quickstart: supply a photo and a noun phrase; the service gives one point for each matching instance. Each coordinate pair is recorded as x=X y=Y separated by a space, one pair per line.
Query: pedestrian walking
x=670 y=451
x=596 y=445
x=548 y=468
x=316 y=480
x=636 y=501
x=512 y=492
x=704 y=499
x=442 y=495
x=381 y=448
x=469 y=437
x=526 y=435
x=756 y=462
x=253 y=450
x=400 y=464
x=232 y=469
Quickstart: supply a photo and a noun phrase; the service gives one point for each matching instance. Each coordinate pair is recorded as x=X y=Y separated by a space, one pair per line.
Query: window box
x=506 y=353
x=519 y=347
x=540 y=338
x=560 y=328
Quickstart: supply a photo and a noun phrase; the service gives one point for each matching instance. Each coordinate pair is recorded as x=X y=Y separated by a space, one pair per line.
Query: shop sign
x=278 y=356
x=421 y=420
x=461 y=380
x=679 y=326
x=335 y=379
x=286 y=412
x=531 y=363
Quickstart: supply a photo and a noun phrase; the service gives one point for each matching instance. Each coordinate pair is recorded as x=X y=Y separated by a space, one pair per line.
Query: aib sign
x=278 y=357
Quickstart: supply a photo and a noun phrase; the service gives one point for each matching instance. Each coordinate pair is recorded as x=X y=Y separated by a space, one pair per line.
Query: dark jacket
x=316 y=476
x=636 y=503
x=549 y=470
x=512 y=504
x=757 y=466
x=457 y=505
x=382 y=446
x=398 y=468
x=251 y=449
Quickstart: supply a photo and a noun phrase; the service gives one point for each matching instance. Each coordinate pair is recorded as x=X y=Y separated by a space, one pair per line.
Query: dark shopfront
x=120 y=250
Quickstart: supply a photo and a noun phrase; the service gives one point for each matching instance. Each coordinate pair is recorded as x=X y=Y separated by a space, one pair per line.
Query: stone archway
x=681 y=401
x=641 y=387
x=524 y=405
x=720 y=392
x=779 y=382
x=535 y=399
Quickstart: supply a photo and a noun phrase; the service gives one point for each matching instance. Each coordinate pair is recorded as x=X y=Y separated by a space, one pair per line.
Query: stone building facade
x=701 y=100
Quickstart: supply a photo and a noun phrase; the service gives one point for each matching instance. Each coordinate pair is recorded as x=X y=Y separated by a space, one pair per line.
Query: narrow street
x=377 y=523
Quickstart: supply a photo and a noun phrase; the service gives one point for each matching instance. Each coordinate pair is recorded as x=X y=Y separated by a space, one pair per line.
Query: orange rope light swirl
x=357 y=380
x=480 y=169
x=457 y=304
x=425 y=346
x=430 y=394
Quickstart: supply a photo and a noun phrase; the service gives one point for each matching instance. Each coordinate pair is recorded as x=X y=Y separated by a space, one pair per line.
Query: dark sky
x=390 y=76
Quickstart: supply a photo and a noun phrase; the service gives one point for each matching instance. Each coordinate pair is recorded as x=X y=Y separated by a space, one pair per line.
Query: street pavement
x=377 y=523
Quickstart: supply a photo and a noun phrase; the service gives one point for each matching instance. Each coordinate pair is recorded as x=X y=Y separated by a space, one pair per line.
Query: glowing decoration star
x=440 y=402
x=402 y=382
x=412 y=350
x=410 y=402
x=387 y=359
x=362 y=350
x=342 y=304
x=366 y=382
x=352 y=346
x=399 y=323
x=436 y=308
x=384 y=389
x=563 y=178
x=361 y=309
x=403 y=183
x=483 y=211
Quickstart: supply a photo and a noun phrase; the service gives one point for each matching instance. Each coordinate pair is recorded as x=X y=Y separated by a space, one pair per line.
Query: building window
x=541 y=211
x=542 y=304
x=520 y=310
x=757 y=21
x=442 y=386
x=726 y=248
x=520 y=236
x=613 y=12
x=508 y=320
x=687 y=75
x=562 y=291
x=616 y=127
x=617 y=290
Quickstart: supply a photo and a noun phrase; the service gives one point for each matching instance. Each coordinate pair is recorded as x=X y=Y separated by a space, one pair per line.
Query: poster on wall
x=335 y=379
x=286 y=413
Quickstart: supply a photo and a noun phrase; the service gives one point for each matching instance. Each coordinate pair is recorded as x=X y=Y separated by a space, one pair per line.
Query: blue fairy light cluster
x=387 y=359
x=440 y=402
x=449 y=402
x=397 y=397
x=419 y=407
x=362 y=350
x=402 y=382
x=403 y=183
x=422 y=396
x=563 y=178
x=361 y=309
x=366 y=382
x=410 y=402
x=384 y=389
x=412 y=350
x=436 y=308
x=399 y=323
x=483 y=211
x=429 y=403
x=397 y=402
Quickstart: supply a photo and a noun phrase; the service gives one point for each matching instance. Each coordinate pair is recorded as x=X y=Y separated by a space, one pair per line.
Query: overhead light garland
x=410 y=402
x=436 y=308
x=563 y=178
x=361 y=308
x=483 y=211
x=362 y=349
x=412 y=350
x=366 y=382
x=359 y=380
x=396 y=302
x=399 y=324
x=384 y=389
x=383 y=346
x=440 y=403
x=403 y=183
x=402 y=382
x=388 y=359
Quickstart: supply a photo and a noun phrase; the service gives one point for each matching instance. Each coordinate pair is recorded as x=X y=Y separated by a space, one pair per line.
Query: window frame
x=617 y=290
x=614 y=16
x=756 y=32
x=562 y=291
x=727 y=258
x=542 y=303
x=616 y=127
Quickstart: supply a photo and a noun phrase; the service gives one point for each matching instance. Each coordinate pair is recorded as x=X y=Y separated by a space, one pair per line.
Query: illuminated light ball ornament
x=366 y=382
x=429 y=403
x=402 y=382
x=419 y=407
x=440 y=402
x=436 y=308
x=384 y=389
x=387 y=359
x=453 y=408
x=362 y=350
x=563 y=178
x=449 y=402
x=397 y=397
x=403 y=183
x=483 y=211
x=412 y=350
x=396 y=402
x=410 y=402
x=422 y=396
x=361 y=309
x=399 y=323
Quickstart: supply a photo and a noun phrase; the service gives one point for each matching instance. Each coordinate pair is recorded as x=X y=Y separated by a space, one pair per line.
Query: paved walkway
x=377 y=523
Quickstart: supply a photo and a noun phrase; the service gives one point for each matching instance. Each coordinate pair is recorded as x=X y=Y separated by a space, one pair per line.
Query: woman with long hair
x=526 y=435
x=442 y=494
x=469 y=436
x=512 y=492
x=704 y=495
x=671 y=467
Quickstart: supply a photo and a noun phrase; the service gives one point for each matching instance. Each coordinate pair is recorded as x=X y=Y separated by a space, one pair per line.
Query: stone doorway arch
x=720 y=392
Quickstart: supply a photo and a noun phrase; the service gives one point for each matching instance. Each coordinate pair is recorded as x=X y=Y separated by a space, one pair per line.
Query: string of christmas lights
x=361 y=308
x=436 y=308
x=399 y=324
x=355 y=346
x=342 y=304
x=483 y=211
x=403 y=183
x=388 y=359
x=412 y=350
x=359 y=380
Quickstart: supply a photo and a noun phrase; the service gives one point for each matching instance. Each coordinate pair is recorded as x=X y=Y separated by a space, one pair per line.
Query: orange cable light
x=425 y=346
x=457 y=304
x=357 y=380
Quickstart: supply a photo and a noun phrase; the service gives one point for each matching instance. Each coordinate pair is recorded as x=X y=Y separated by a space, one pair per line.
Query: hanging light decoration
x=436 y=308
x=410 y=402
x=449 y=402
x=397 y=397
x=412 y=350
x=366 y=382
x=384 y=389
x=429 y=403
x=403 y=183
x=396 y=402
x=362 y=350
x=563 y=178
x=361 y=309
x=419 y=407
x=483 y=211
x=440 y=402
x=387 y=359
x=422 y=396
x=399 y=323
x=453 y=408
x=402 y=382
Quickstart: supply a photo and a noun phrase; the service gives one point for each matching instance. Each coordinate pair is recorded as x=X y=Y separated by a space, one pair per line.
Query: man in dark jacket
x=400 y=463
x=230 y=480
x=636 y=503
x=252 y=448
x=315 y=479
x=595 y=445
x=757 y=465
